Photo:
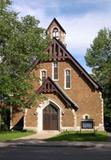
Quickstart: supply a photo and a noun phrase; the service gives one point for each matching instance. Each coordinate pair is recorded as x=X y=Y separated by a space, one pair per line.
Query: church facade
x=73 y=99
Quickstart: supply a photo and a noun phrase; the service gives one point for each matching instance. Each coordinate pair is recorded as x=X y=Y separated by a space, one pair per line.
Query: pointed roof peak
x=56 y=21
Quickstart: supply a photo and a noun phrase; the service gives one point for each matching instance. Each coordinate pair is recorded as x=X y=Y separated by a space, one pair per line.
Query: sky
x=81 y=19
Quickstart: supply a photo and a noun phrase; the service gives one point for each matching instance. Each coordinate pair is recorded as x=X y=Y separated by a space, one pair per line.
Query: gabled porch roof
x=49 y=86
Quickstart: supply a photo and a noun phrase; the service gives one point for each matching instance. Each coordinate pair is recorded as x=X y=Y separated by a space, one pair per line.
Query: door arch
x=50 y=117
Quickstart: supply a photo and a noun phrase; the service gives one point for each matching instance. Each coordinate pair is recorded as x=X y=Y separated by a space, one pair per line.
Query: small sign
x=87 y=124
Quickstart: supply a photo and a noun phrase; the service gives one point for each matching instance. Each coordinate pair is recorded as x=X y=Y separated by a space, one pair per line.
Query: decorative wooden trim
x=50 y=87
x=63 y=55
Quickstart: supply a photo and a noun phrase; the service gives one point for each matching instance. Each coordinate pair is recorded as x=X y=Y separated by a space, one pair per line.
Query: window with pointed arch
x=55 y=33
x=43 y=75
x=55 y=71
x=67 y=79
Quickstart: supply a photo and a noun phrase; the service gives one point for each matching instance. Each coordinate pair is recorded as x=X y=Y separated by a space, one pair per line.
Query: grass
x=64 y=136
x=12 y=135
x=77 y=136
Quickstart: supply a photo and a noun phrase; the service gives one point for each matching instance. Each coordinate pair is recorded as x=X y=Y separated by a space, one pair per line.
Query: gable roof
x=49 y=86
x=55 y=20
x=67 y=56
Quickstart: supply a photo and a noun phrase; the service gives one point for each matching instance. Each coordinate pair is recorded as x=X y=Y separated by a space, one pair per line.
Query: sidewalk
x=41 y=143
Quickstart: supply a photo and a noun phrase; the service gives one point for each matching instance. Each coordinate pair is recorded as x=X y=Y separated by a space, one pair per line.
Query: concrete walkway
x=41 y=136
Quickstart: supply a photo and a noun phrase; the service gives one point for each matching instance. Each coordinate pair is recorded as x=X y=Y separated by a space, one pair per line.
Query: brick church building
x=73 y=99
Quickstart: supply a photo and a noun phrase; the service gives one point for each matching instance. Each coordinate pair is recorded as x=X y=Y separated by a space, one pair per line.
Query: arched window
x=67 y=79
x=55 y=33
x=43 y=75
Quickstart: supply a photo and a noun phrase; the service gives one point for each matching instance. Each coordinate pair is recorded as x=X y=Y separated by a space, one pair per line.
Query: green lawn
x=77 y=136
x=11 y=135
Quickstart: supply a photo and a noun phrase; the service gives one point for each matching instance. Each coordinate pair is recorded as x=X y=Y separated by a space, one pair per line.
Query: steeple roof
x=55 y=20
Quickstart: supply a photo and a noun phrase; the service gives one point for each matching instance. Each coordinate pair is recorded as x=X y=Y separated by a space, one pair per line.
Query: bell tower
x=55 y=30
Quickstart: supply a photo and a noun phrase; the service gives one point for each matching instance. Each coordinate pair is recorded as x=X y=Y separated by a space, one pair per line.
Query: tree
x=21 y=43
x=98 y=57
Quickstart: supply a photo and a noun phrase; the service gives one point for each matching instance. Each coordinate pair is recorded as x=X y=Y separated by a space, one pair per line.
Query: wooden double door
x=50 y=118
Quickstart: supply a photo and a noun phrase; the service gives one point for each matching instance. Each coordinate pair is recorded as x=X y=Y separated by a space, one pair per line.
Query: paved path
x=42 y=135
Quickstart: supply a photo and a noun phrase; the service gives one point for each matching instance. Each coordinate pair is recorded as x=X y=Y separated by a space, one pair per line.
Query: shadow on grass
x=77 y=136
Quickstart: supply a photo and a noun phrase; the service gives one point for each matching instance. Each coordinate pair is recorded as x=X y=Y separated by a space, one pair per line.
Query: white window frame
x=53 y=71
x=41 y=74
x=65 y=78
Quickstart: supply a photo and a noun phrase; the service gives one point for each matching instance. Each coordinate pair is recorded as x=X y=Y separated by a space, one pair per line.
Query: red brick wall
x=31 y=117
x=81 y=91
